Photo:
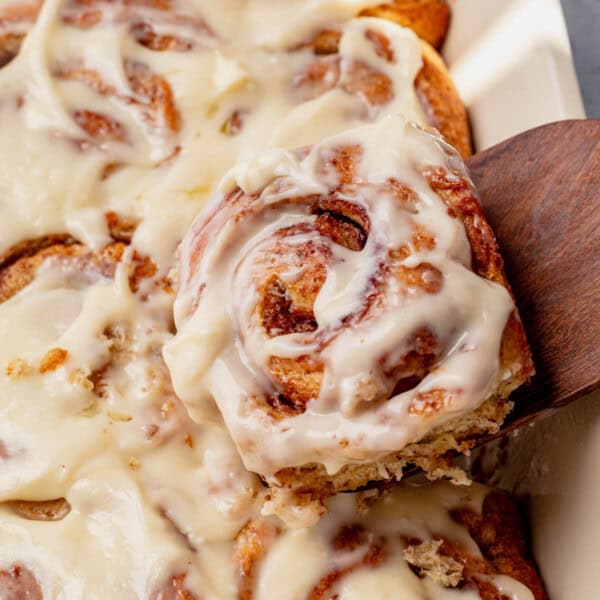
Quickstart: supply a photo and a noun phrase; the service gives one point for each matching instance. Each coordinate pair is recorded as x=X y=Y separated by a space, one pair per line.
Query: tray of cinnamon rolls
x=252 y=314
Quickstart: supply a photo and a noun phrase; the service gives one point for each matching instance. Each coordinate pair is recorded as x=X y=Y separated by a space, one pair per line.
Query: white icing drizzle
x=221 y=352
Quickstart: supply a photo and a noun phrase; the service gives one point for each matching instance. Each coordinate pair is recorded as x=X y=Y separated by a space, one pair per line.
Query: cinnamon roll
x=89 y=357
x=432 y=540
x=346 y=308
x=370 y=57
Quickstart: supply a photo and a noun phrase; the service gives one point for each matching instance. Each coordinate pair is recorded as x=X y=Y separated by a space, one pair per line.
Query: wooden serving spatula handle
x=541 y=193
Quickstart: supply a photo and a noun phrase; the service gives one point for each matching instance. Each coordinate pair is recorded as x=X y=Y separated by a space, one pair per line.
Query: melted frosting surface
x=98 y=116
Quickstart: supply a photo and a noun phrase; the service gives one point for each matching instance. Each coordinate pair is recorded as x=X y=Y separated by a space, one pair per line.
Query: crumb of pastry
x=433 y=455
x=81 y=377
x=53 y=359
x=17 y=368
x=252 y=544
x=426 y=557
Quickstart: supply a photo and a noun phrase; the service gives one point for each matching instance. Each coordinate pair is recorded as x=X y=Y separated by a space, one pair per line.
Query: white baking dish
x=513 y=66
x=512 y=63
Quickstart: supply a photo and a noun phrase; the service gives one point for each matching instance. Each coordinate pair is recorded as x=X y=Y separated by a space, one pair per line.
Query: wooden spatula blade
x=541 y=193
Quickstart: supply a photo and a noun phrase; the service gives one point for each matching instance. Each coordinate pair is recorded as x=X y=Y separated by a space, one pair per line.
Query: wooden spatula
x=541 y=193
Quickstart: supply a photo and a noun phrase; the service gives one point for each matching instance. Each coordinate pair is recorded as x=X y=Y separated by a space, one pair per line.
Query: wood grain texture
x=541 y=193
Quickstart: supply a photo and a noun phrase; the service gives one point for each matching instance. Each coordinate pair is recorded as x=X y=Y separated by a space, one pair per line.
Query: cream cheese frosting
x=138 y=108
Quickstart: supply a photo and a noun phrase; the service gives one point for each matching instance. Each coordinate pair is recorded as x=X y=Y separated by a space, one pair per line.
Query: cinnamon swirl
x=346 y=308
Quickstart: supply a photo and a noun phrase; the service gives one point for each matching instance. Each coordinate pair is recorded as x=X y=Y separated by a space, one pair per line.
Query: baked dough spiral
x=341 y=302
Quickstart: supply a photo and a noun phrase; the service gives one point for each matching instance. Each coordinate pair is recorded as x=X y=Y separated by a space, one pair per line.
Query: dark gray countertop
x=583 y=21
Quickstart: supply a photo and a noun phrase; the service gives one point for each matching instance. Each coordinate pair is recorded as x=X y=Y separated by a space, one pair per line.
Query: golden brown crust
x=429 y=19
x=350 y=539
x=252 y=543
x=501 y=535
x=151 y=95
x=19 y=267
x=256 y=539
x=10 y=44
x=158 y=105
x=286 y=308
x=146 y=36
x=433 y=455
x=99 y=127
x=515 y=357
x=441 y=102
x=21 y=15
x=27 y=248
x=19 y=12
x=20 y=263
x=148 y=21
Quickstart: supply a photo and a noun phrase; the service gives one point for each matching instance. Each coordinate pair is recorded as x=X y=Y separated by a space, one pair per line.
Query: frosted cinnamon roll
x=346 y=310
x=85 y=394
x=374 y=59
x=430 y=542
